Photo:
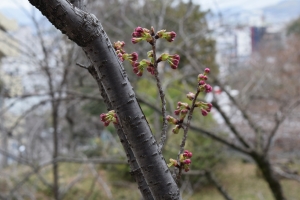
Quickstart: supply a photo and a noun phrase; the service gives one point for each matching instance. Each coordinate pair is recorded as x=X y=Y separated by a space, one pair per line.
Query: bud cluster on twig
x=184 y=161
x=111 y=116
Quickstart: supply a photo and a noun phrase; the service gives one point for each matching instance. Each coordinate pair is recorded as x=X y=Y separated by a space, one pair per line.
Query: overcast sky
x=6 y=6
x=245 y=4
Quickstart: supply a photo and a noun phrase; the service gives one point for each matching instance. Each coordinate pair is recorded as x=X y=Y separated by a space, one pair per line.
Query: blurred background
x=50 y=107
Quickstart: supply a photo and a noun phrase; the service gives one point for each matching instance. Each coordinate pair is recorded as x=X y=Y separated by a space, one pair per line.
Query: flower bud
x=208 y=88
x=204 y=112
x=183 y=114
x=172 y=163
x=176 y=129
x=150 y=54
x=207 y=70
x=187 y=161
x=136 y=40
x=119 y=45
x=202 y=77
x=190 y=96
x=176 y=112
x=171 y=119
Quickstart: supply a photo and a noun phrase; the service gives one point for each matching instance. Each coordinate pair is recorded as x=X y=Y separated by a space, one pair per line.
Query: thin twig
x=162 y=98
x=82 y=66
x=230 y=125
x=213 y=179
x=186 y=129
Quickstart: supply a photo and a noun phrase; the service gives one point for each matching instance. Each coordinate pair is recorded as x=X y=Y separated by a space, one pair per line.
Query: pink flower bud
x=136 y=40
x=139 y=29
x=177 y=112
x=118 y=45
x=183 y=114
x=102 y=117
x=151 y=70
x=106 y=123
x=171 y=119
x=190 y=154
x=134 y=56
x=140 y=73
x=170 y=36
x=202 y=77
x=135 y=70
x=204 y=112
x=136 y=34
x=187 y=161
x=190 y=96
x=207 y=70
x=201 y=82
x=176 y=57
x=208 y=88
x=120 y=56
x=209 y=105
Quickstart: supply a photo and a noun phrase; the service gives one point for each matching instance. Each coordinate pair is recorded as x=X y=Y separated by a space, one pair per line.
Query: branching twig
x=212 y=178
x=186 y=129
x=162 y=98
x=230 y=125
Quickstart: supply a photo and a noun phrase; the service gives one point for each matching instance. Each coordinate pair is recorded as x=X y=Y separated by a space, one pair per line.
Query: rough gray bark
x=134 y=166
x=85 y=30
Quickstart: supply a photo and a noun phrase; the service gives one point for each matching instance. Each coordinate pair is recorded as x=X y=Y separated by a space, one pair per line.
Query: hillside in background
x=284 y=10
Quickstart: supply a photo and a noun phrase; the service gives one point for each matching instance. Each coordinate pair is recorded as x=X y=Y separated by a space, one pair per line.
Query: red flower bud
x=204 y=112
x=187 y=161
x=201 y=82
x=177 y=112
x=139 y=29
x=134 y=56
x=136 y=40
x=207 y=70
x=208 y=88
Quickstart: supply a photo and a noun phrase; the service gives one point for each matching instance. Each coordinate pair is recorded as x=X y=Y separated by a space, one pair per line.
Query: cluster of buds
x=205 y=107
x=181 y=111
x=122 y=55
x=143 y=34
x=169 y=36
x=138 y=67
x=140 y=34
x=111 y=116
x=203 y=86
x=184 y=161
x=173 y=60
x=183 y=108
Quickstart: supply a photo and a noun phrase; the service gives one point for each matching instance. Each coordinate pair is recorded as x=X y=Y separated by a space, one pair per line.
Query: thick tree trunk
x=266 y=169
x=84 y=29
x=135 y=168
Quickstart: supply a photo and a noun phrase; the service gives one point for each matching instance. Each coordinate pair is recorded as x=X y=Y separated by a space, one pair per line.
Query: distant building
x=257 y=34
